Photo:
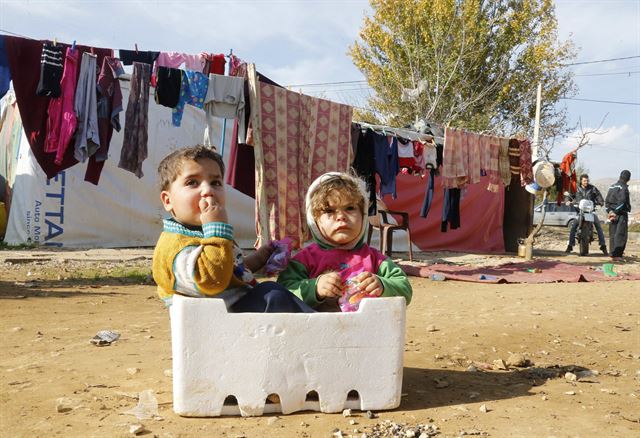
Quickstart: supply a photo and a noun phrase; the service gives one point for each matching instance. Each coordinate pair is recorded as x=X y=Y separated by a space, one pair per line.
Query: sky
x=297 y=42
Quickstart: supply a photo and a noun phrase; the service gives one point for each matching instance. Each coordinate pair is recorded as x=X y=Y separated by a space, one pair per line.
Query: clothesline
x=400 y=132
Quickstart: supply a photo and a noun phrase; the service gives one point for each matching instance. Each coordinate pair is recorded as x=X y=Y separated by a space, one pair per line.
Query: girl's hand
x=329 y=285
x=370 y=284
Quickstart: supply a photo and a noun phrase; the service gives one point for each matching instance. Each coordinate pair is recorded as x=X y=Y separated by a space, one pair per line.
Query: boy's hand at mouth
x=211 y=211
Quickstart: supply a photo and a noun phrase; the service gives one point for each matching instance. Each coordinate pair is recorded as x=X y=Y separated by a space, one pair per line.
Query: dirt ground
x=54 y=382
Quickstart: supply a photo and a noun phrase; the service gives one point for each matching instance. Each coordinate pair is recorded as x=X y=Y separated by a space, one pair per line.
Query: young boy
x=195 y=254
x=336 y=215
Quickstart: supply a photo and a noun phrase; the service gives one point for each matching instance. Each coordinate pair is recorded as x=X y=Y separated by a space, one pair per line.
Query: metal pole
x=536 y=127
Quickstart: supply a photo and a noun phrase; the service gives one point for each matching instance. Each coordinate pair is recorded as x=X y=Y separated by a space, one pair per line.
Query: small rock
x=570 y=393
x=410 y=434
x=472 y=369
x=499 y=364
x=133 y=371
x=544 y=397
x=353 y=422
x=517 y=360
x=137 y=429
x=441 y=383
x=346 y=413
x=272 y=420
x=431 y=328
x=483 y=408
x=570 y=377
x=303 y=424
x=168 y=372
x=64 y=404
x=371 y=415
x=17 y=329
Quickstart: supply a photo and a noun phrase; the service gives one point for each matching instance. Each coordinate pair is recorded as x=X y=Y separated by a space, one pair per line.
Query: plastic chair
x=381 y=222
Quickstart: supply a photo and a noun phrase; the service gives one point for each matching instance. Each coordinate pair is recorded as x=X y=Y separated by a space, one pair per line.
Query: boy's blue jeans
x=270 y=297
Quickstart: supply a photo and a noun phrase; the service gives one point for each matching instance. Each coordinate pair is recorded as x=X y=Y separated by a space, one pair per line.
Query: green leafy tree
x=467 y=63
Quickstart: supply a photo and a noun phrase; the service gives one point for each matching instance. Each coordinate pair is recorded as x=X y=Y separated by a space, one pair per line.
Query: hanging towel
x=87 y=140
x=61 y=119
x=526 y=172
x=225 y=98
x=51 y=67
x=504 y=163
x=176 y=59
x=134 y=146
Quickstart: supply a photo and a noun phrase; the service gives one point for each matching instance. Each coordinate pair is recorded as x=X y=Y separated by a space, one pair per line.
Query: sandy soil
x=53 y=303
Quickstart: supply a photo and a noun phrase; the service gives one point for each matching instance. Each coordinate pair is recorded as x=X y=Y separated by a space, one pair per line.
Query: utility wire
x=629 y=73
x=600 y=60
x=602 y=101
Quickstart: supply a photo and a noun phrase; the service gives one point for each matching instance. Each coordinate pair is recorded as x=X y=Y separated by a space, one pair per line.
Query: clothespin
x=136 y=46
x=230 y=53
x=73 y=46
x=55 y=41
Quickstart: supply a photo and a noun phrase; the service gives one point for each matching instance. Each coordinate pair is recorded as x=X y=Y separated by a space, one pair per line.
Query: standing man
x=618 y=206
x=587 y=191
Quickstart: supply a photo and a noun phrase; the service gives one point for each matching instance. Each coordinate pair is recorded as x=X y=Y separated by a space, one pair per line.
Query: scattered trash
x=346 y=413
x=147 y=407
x=353 y=422
x=472 y=369
x=371 y=415
x=534 y=270
x=487 y=277
x=168 y=372
x=441 y=383
x=104 y=338
x=431 y=328
x=570 y=377
x=437 y=277
x=607 y=268
x=484 y=409
x=133 y=371
x=499 y=364
x=64 y=404
x=570 y=393
x=137 y=429
x=272 y=420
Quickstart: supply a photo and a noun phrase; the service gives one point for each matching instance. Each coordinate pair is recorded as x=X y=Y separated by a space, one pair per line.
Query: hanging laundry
x=364 y=164
x=526 y=172
x=176 y=59
x=450 y=210
x=61 y=120
x=355 y=136
x=109 y=109
x=428 y=194
x=215 y=64
x=24 y=57
x=87 y=140
x=418 y=155
x=504 y=162
x=455 y=160
x=514 y=156
x=493 y=166
x=225 y=98
x=406 y=158
x=136 y=126
x=5 y=73
x=241 y=166
x=237 y=67
x=386 y=162
x=473 y=157
x=299 y=138
x=128 y=57
x=51 y=67
x=168 y=85
x=569 y=177
x=192 y=91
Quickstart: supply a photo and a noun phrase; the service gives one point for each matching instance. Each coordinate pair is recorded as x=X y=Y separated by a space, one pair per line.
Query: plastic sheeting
x=481 y=217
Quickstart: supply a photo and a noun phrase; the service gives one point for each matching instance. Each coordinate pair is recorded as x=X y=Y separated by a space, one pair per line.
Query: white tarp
x=122 y=211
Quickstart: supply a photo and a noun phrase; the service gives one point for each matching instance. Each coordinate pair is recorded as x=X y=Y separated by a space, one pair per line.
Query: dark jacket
x=618 y=200
x=591 y=193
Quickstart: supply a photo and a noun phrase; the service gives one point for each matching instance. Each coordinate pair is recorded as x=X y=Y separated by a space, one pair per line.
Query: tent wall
x=518 y=214
x=122 y=211
x=481 y=215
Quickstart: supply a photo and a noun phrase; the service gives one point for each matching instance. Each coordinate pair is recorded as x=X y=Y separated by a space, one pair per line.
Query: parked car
x=557 y=215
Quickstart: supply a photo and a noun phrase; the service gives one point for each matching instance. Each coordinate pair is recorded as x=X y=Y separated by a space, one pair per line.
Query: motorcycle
x=584 y=231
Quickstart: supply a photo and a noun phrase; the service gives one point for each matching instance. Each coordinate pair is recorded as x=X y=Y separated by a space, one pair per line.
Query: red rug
x=537 y=271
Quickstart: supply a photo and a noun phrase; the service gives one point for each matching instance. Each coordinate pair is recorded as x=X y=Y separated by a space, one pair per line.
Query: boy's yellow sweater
x=199 y=262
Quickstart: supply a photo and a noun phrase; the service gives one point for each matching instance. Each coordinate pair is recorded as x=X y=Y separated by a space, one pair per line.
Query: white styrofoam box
x=251 y=355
